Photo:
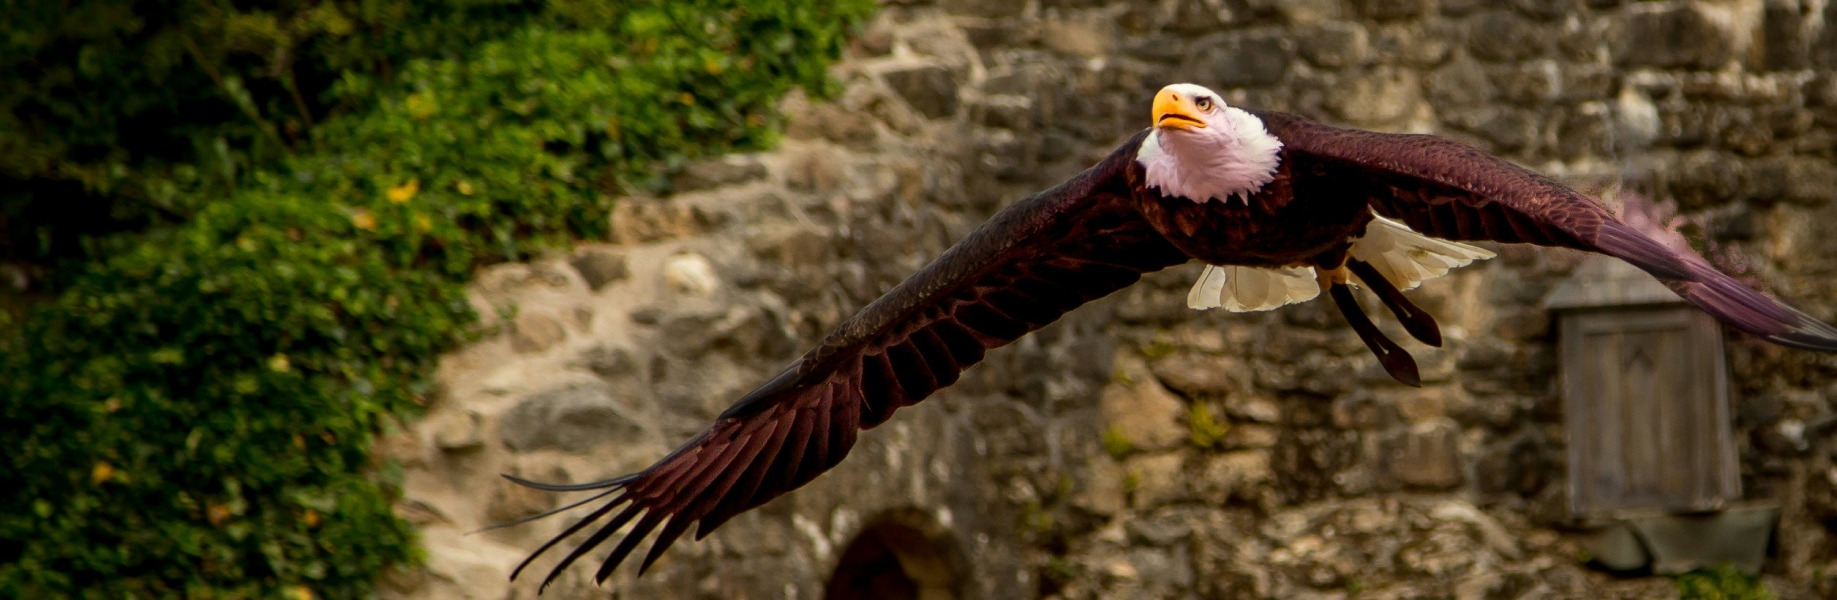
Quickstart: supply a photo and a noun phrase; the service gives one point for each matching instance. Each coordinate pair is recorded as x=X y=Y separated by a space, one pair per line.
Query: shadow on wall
x=899 y=556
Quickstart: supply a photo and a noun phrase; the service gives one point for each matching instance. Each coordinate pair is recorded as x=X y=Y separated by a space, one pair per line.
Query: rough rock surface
x=1315 y=476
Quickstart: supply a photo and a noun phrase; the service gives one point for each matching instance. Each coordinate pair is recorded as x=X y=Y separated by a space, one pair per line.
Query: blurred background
x=284 y=288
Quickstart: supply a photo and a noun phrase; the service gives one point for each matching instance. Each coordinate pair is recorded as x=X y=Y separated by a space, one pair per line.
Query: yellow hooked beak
x=1172 y=109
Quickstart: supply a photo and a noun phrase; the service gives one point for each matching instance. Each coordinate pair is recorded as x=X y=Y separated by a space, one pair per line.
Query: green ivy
x=1721 y=583
x=194 y=413
x=121 y=115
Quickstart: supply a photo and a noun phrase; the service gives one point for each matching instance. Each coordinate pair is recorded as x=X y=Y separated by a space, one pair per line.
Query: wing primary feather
x=674 y=529
x=845 y=435
x=742 y=490
x=573 y=487
x=910 y=370
x=593 y=541
x=1629 y=244
x=791 y=460
x=938 y=359
x=626 y=545
x=744 y=457
x=819 y=433
x=666 y=478
x=571 y=530
x=549 y=512
x=706 y=476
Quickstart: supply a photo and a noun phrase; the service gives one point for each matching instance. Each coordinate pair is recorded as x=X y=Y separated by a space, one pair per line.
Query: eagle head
x=1203 y=150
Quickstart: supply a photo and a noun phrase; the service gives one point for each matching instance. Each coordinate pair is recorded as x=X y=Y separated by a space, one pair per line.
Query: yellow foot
x=1331 y=277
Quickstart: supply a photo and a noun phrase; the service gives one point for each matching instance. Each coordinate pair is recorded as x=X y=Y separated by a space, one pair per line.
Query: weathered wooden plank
x=1646 y=409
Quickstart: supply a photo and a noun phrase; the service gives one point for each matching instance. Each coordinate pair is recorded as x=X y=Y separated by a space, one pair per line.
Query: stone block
x=510 y=501
x=1810 y=181
x=1415 y=43
x=716 y=172
x=607 y=361
x=1079 y=37
x=929 y=89
x=1380 y=96
x=1160 y=530
x=1520 y=466
x=1362 y=410
x=1158 y=479
x=1824 y=47
x=456 y=430
x=983 y=8
x=1307 y=462
x=1242 y=59
x=876 y=39
x=600 y=266
x=1545 y=10
x=1391 y=9
x=690 y=273
x=1503 y=36
x=1529 y=83
x=1673 y=36
x=1455 y=8
x=1334 y=45
x=533 y=332
x=1004 y=111
x=1197 y=375
x=572 y=418
x=1143 y=412
x=1425 y=456
x=1242 y=476
x=1461 y=82
x=1785 y=36
x=827 y=121
x=1305 y=12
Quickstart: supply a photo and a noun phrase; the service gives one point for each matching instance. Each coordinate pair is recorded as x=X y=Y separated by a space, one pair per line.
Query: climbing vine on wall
x=306 y=194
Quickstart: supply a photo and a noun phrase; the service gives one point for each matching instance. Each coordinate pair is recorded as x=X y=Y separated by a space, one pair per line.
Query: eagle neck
x=1234 y=156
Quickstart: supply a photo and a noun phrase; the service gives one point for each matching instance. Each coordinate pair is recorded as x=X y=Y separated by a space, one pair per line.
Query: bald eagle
x=1280 y=209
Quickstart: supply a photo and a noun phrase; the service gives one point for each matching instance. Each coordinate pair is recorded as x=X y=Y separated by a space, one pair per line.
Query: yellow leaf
x=299 y=592
x=279 y=363
x=363 y=219
x=402 y=193
x=464 y=187
x=112 y=404
x=422 y=105
x=102 y=472
x=311 y=518
x=423 y=224
x=686 y=98
x=217 y=514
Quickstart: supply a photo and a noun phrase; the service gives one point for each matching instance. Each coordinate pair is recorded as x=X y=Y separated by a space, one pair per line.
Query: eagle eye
x=1204 y=103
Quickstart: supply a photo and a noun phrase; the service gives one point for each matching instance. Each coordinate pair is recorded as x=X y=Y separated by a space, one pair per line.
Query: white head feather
x=1228 y=154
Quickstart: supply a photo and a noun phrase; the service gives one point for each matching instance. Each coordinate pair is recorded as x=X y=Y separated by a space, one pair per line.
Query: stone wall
x=1137 y=448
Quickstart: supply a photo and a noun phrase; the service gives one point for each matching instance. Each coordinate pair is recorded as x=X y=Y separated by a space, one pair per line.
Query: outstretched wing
x=1032 y=262
x=1453 y=191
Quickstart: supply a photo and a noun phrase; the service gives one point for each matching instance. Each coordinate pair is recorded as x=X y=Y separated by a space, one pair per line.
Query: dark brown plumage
x=1097 y=233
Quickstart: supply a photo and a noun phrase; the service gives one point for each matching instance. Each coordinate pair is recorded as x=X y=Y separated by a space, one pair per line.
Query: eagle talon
x=1332 y=277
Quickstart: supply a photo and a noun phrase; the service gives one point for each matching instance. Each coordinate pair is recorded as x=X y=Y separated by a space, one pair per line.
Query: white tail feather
x=1206 y=291
x=1251 y=289
x=1408 y=258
